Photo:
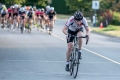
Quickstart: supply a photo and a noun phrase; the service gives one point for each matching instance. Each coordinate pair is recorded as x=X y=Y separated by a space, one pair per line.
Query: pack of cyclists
x=17 y=17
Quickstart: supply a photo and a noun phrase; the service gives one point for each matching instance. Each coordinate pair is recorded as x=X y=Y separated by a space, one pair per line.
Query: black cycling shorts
x=2 y=15
x=51 y=18
x=71 y=38
x=15 y=14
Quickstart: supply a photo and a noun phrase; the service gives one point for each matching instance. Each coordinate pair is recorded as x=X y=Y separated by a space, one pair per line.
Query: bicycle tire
x=71 y=63
x=76 y=63
x=22 y=28
x=50 y=30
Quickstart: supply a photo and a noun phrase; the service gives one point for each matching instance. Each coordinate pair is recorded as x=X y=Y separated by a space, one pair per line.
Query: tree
x=78 y=4
x=37 y=2
x=25 y=2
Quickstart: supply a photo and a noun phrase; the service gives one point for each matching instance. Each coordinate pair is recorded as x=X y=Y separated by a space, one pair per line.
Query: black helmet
x=78 y=16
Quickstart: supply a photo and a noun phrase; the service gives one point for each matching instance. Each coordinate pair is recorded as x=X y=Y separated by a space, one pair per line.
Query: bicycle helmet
x=47 y=7
x=42 y=9
x=78 y=16
x=52 y=8
x=39 y=9
x=3 y=6
x=34 y=7
x=16 y=6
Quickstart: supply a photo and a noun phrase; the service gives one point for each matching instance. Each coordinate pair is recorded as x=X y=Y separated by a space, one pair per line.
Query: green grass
x=110 y=30
x=63 y=16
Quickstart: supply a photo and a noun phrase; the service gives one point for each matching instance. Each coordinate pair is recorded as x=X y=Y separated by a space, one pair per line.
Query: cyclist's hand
x=67 y=36
x=87 y=36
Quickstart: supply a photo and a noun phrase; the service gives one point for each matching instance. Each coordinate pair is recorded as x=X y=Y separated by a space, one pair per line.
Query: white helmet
x=16 y=6
x=3 y=5
x=34 y=7
x=42 y=9
x=52 y=8
x=22 y=9
x=39 y=9
x=11 y=7
x=47 y=7
x=30 y=6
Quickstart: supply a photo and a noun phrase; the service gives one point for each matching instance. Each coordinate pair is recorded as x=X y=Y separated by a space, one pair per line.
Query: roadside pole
x=95 y=7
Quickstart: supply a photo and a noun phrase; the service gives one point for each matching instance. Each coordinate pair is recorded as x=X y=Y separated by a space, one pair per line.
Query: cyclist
x=34 y=17
x=9 y=16
x=37 y=14
x=42 y=15
x=30 y=17
x=74 y=27
x=3 y=14
x=22 y=13
x=52 y=16
x=46 y=15
x=15 y=15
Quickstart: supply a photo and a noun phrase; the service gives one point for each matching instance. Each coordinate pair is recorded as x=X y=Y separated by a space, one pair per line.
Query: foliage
x=116 y=18
x=78 y=4
x=112 y=17
x=25 y=2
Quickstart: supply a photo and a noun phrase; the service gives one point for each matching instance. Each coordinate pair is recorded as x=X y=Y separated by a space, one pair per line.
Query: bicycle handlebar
x=81 y=37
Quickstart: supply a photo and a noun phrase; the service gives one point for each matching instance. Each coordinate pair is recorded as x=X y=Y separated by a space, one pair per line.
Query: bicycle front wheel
x=75 y=64
x=71 y=63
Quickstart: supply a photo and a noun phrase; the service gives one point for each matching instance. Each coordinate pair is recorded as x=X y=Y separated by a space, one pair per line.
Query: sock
x=80 y=50
x=67 y=62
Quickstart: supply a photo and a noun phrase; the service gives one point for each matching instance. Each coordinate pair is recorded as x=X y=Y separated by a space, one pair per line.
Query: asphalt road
x=40 y=56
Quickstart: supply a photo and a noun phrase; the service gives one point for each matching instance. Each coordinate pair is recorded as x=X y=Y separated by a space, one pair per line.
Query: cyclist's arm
x=86 y=26
x=64 y=30
x=55 y=16
x=68 y=23
x=87 y=30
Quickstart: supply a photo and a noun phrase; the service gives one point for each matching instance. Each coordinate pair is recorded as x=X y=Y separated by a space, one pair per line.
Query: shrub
x=113 y=18
x=116 y=18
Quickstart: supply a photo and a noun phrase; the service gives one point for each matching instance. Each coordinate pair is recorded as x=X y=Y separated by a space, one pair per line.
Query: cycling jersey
x=15 y=12
x=51 y=15
x=47 y=11
x=4 y=10
x=30 y=14
x=71 y=24
x=37 y=13
x=10 y=10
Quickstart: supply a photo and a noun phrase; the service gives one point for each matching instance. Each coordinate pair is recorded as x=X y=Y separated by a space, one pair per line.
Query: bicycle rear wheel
x=75 y=63
x=22 y=28
x=50 y=30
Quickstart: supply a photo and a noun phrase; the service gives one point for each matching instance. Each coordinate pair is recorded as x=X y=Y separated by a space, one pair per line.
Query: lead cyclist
x=74 y=27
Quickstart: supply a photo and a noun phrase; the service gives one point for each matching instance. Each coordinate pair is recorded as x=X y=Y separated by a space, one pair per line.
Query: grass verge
x=110 y=30
x=63 y=16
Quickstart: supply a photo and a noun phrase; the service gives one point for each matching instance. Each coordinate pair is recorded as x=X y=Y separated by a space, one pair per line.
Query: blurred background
x=108 y=13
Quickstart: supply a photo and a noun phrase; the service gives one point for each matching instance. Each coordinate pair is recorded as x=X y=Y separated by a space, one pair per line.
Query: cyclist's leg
x=2 y=18
x=68 y=53
x=69 y=49
x=80 y=33
x=17 y=20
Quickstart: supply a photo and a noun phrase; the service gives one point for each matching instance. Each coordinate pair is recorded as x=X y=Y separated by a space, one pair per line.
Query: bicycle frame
x=74 y=59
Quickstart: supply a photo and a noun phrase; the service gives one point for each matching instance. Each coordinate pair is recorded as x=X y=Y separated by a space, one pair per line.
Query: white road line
x=92 y=52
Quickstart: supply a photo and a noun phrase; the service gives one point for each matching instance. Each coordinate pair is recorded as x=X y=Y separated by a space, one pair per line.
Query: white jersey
x=71 y=24
x=4 y=11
